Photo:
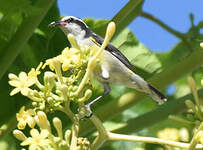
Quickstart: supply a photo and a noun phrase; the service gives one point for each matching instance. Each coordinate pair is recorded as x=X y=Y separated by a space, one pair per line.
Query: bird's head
x=73 y=25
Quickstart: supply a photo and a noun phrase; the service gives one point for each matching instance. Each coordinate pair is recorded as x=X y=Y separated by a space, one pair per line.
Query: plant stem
x=194 y=141
x=122 y=137
x=67 y=111
x=156 y=115
x=75 y=131
x=167 y=28
x=103 y=134
x=22 y=35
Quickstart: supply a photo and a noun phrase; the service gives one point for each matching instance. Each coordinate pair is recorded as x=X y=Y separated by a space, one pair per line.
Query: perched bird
x=115 y=67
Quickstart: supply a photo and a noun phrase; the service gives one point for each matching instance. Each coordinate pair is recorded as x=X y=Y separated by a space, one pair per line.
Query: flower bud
x=58 y=126
x=184 y=135
x=43 y=122
x=66 y=65
x=75 y=88
x=64 y=89
x=72 y=40
x=201 y=45
x=88 y=94
x=67 y=135
x=34 y=104
x=49 y=79
x=31 y=122
x=19 y=135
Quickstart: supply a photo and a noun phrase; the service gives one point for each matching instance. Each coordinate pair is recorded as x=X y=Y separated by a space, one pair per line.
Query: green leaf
x=139 y=55
x=98 y=26
x=127 y=14
x=9 y=7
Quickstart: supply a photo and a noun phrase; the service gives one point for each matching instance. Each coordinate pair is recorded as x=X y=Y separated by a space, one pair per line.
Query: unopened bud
x=75 y=88
x=73 y=41
x=88 y=94
x=49 y=79
x=111 y=28
x=201 y=45
x=43 y=122
x=184 y=135
x=58 y=126
x=67 y=136
x=19 y=135
x=64 y=89
x=31 y=122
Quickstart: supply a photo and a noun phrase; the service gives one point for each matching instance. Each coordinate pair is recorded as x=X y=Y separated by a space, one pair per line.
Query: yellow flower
x=22 y=83
x=49 y=62
x=69 y=57
x=35 y=72
x=25 y=117
x=200 y=136
x=169 y=134
x=37 y=140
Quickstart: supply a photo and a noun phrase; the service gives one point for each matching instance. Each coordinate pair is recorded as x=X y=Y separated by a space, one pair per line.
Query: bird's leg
x=104 y=76
x=107 y=90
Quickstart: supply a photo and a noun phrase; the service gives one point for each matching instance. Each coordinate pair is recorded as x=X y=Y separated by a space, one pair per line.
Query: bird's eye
x=69 y=20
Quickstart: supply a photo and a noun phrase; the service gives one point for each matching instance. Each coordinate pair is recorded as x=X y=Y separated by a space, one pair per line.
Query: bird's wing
x=114 y=51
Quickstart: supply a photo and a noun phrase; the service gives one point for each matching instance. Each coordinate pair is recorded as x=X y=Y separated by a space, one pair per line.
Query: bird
x=115 y=67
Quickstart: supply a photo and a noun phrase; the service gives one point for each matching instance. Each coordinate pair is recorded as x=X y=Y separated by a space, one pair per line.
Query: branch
x=154 y=116
x=121 y=137
x=22 y=35
x=103 y=134
x=166 y=27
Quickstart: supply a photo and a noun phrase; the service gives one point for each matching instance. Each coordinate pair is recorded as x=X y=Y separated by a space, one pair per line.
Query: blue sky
x=174 y=13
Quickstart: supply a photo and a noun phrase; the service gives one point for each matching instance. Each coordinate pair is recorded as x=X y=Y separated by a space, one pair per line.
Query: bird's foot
x=85 y=112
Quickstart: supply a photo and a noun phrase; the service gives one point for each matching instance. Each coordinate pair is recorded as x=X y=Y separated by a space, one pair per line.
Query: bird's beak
x=57 y=23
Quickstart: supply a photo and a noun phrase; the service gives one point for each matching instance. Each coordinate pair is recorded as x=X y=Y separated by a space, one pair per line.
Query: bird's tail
x=156 y=94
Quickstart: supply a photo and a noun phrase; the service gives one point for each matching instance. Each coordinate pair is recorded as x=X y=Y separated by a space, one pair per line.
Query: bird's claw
x=85 y=112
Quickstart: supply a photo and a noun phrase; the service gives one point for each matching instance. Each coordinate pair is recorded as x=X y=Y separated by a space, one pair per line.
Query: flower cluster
x=42 y=137
x=174 y=134
x=194 y=118
x=59 y=84
x=58 y=87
